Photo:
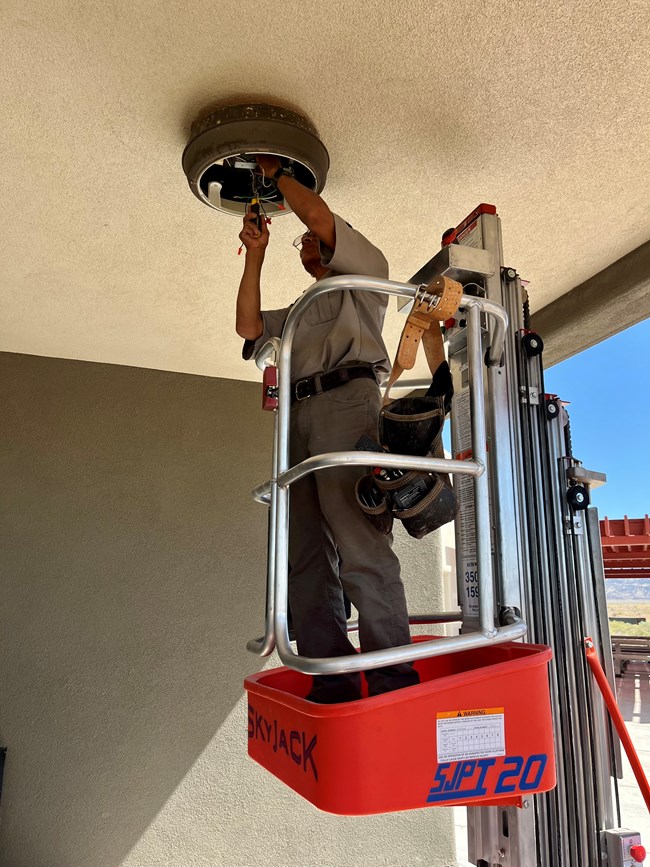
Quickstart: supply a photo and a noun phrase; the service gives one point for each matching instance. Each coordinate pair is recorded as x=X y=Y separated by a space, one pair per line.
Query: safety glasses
x=299 y=240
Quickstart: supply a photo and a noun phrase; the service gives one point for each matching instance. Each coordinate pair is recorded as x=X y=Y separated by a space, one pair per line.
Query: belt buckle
x=297 y=386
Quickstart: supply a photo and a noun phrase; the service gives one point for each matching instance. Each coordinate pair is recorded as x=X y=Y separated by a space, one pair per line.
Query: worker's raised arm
x=248 y=322
x=307 y=205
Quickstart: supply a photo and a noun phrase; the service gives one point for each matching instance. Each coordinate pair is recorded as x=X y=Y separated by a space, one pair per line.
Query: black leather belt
x=304 y=388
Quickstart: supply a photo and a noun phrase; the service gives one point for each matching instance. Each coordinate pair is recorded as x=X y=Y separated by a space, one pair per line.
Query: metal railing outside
x=275 y=492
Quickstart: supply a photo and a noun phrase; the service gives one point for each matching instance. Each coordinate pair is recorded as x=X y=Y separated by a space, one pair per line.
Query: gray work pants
x=332 y=547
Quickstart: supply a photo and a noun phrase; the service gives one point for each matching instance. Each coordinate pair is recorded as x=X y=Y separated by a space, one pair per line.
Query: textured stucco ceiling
x=426 y=110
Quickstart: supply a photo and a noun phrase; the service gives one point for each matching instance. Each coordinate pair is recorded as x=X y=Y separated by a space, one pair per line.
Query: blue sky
x=608 y=389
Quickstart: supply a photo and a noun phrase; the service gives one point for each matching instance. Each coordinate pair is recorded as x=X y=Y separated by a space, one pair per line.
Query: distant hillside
x=628 y=589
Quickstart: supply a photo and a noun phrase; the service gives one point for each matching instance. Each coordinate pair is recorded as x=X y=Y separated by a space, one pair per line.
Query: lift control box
x=624 y=848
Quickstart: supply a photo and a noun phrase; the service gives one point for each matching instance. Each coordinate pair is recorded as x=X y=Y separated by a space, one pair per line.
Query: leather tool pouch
x=438 y=507
x=422 y=501
x=375 y=504
x=412 y=425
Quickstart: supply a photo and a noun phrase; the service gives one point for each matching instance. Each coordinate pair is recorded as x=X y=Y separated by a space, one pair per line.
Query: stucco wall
x=132 y=574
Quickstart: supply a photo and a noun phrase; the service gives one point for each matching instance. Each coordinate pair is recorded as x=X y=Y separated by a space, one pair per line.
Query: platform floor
x=633 y=693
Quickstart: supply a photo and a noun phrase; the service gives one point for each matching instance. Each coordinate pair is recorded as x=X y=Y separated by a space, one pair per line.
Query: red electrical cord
x=617 y=719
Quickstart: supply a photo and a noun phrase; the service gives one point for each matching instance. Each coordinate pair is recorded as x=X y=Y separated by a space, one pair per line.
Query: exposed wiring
x=269 y=198
x=267 y=183
x=476 y=285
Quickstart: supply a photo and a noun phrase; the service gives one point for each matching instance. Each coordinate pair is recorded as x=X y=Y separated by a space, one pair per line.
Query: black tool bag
x=413 y=425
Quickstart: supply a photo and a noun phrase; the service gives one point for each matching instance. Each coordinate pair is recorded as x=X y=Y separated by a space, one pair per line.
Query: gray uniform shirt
x=339 y=328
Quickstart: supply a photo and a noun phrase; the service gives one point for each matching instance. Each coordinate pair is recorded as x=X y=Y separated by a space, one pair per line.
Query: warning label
x=463 y=429
x=472 y=236
x=464 y=486
x=465 y=521
x=470 y=734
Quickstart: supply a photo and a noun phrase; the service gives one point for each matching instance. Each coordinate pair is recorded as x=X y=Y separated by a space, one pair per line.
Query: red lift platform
x=476 y=731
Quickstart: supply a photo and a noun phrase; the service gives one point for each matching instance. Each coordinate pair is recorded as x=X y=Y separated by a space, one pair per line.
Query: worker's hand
x=268 y=164
x=251 y=237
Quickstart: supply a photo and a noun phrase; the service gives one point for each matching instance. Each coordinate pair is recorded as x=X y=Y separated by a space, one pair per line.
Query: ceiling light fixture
x=219 y=160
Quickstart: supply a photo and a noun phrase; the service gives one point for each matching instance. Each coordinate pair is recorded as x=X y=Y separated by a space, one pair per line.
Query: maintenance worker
x=337 y=360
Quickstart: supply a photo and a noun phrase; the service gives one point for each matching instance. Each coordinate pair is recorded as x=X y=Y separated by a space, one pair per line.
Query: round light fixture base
x=219 y=160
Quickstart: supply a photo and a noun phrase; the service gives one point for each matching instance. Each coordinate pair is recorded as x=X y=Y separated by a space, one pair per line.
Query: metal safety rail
x=275 y=492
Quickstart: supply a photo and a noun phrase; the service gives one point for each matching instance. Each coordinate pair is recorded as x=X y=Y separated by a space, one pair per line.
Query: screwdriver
x=255 y=209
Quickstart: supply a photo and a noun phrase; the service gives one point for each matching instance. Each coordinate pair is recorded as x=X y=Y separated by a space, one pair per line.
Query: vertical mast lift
x=527 y=553
x=547 y=566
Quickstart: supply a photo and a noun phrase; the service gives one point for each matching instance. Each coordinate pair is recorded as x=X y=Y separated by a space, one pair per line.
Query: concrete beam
x=609 y=302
